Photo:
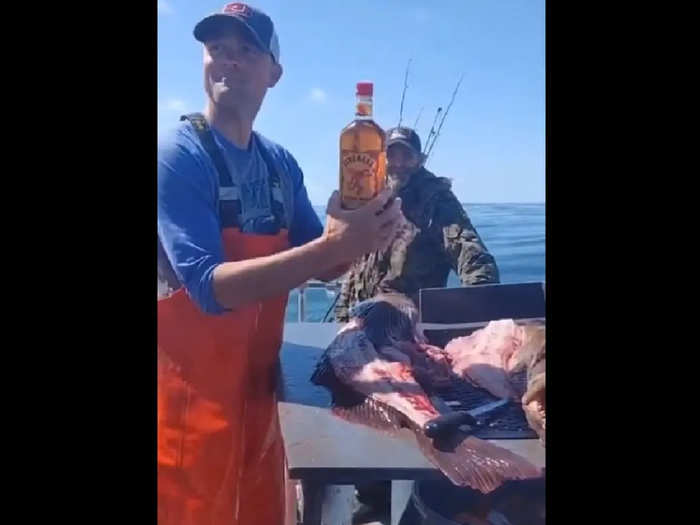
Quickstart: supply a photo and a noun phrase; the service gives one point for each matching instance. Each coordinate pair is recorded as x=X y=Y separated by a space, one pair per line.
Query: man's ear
x=276 y=74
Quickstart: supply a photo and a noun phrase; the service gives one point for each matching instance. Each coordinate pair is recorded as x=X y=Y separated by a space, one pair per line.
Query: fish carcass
x=370 y=368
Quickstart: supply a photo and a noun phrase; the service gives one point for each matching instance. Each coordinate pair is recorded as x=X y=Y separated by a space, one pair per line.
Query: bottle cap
x=365 y=88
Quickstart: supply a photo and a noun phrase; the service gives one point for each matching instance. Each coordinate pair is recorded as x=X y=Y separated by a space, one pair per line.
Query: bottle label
x=361 y=180
x=363 y=109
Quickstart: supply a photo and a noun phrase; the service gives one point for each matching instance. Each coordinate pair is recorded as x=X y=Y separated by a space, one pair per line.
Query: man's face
x=401 y=160
x=237 y=73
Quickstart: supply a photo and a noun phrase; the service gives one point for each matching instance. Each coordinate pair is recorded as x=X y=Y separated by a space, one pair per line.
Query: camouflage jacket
x=436 y=237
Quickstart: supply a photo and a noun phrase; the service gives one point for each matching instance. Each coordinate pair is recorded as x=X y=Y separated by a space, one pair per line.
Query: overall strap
x=282 y=193
x=206 y=137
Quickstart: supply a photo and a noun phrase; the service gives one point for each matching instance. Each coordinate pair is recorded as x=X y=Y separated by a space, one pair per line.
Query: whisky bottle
x=362 y=154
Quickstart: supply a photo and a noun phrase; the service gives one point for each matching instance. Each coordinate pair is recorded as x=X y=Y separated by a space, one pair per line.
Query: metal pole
x=301 y=314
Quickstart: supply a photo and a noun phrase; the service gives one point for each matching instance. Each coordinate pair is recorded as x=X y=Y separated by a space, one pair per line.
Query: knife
x=450 y=421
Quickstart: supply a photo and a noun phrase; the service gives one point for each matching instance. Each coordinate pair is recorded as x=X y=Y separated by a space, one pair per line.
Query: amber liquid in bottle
x=362 y=154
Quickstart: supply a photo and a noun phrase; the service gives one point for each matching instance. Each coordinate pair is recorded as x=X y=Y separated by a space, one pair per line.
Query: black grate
x=507 y=422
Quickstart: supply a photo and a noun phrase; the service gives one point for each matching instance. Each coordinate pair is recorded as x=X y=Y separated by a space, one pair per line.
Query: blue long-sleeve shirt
x=189 y=223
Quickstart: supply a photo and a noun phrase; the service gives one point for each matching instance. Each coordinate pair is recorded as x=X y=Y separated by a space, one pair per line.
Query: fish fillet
x=483 y=356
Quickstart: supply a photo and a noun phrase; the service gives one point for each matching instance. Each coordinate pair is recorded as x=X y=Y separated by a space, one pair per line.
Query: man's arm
x=188 y=226
x=464 y=249
x=348 y=235
x=306 y=225
x=239 y=283
x=335 y=273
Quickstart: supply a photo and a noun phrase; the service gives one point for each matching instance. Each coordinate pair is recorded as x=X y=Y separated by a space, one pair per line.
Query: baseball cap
x=405 y=136
x=255 y=22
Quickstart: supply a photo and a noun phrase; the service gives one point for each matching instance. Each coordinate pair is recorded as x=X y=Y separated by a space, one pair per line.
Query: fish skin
x=356 y=363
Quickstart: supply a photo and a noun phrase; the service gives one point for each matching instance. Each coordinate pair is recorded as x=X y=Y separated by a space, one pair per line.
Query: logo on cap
x=238 y=8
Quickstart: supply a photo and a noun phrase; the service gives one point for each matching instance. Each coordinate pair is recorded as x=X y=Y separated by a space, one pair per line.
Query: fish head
x=387 y=318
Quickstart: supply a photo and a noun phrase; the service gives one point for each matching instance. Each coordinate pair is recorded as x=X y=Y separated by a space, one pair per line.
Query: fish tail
x=473 y=462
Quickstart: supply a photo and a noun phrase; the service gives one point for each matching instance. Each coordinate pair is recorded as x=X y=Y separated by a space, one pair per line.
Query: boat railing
x=331 y=286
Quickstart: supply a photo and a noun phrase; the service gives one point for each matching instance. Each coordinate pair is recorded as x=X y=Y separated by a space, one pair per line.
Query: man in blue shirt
x=236 y=232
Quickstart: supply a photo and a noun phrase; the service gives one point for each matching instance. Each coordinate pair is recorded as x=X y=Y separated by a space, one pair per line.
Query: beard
x=397 y=179
x=402 y=173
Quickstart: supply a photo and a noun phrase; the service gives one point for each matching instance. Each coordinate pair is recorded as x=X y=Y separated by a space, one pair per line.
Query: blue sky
x=492 y=144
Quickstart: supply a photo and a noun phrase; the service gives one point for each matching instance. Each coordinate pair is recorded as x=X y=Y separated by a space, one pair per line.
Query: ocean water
x=513 y=233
